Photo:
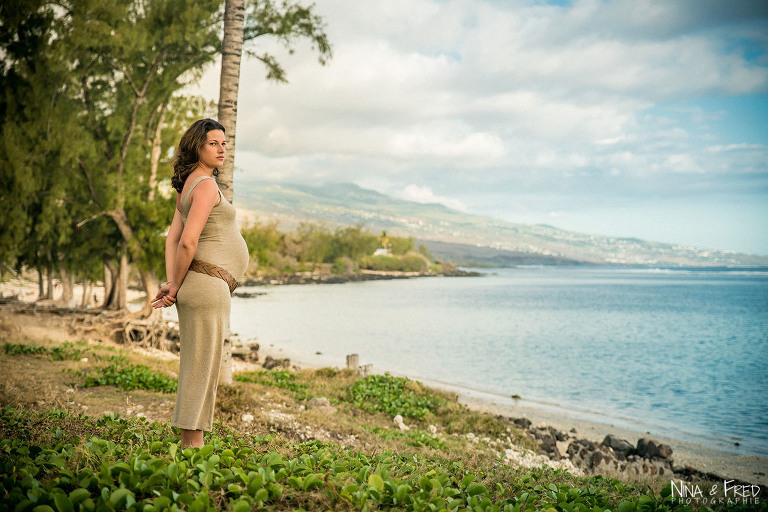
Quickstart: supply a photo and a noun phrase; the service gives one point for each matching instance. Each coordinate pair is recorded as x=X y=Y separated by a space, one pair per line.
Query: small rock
x=652 y=449
x=84 y=360
x=621 y=447
x=321 y=404
x=272 y=363
x=547 y=441
x=398 y=420
x=524 y=423
x=247 y=418
x=318 y=402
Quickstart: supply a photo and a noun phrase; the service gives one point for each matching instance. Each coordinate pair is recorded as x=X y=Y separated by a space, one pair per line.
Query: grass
x=72 y=448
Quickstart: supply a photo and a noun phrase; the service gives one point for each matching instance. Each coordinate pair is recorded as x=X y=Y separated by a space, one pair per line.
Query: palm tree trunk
x=231 y=54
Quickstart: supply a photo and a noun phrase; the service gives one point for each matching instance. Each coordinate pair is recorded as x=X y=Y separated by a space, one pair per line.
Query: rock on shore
x=648 y=457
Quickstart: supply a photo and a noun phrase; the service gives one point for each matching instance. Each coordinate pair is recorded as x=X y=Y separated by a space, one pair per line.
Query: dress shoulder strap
x=192 y=187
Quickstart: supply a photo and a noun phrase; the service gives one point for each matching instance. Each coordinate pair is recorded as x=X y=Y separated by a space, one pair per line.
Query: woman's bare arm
x=181 y=243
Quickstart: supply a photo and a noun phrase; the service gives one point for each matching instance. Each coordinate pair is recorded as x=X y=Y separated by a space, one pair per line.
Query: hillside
x=464 y=235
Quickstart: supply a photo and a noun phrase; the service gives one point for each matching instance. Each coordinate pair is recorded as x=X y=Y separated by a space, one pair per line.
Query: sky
x=629 y=118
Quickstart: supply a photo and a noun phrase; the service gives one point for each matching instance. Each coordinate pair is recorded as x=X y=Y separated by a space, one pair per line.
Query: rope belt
x=214 y=271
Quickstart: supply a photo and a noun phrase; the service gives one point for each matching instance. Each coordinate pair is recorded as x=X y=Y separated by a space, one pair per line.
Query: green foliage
x=66 y=351
x=290 y=22
x=400 y=245
x=345 y=249
x=408 y=263
x=262 y=241
x=353 y=242
x=91 y=111
x=15 y=349
x=90 y=94
x=129 y=378
x=424 y=251
x=393 y=395
x=413 y=437
x=343 y=265
x=277 y=378
x=131 y=464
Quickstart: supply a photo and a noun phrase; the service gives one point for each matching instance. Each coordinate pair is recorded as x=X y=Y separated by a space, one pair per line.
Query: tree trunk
x=151 y=287
x=156 y=150
x=110 y=279
x=49 y=291
x=85 y=299
x=231 y=54
x=40 y=283
x=67 y=287
x=122 y=280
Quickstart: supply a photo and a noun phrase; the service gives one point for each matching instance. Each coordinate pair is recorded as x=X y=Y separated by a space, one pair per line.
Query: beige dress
x=203 y=303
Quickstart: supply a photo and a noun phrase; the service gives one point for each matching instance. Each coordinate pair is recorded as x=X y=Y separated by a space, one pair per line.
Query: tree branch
x=135 y=111
x=91 y=218
x=92 y=117
x=90 y=183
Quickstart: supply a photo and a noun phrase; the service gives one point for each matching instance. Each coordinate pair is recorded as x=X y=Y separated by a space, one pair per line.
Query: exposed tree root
x=121 y=326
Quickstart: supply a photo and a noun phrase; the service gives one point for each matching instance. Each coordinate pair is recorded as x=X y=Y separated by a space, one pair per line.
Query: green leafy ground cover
x=277 y=378
x=73 y=463
x=393 y=395
x=129 y=377
x=66 y=351
x=55 y=460
x=120 y=373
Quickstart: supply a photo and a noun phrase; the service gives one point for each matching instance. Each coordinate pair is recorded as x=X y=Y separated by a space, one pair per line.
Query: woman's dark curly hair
x=187 y=155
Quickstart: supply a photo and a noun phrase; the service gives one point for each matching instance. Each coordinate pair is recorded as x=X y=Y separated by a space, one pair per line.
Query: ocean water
x=678 y=353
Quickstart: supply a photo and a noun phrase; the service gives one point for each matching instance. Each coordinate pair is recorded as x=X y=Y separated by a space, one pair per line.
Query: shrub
x=130 y=378
x=393 y=395
x=343 y=265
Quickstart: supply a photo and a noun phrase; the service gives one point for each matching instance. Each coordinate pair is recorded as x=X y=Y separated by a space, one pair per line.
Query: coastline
x=727 y=466
x=362 y=275
x=705 y=459
x=687 y=453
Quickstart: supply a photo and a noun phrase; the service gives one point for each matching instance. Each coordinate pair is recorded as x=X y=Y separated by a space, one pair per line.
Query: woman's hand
x=166 y=296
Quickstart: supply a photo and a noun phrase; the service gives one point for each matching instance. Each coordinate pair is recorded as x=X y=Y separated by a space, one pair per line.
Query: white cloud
x=512 y=99
x=424 y=194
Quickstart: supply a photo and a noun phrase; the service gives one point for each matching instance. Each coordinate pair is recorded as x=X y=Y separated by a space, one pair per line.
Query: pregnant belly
x=232 y=255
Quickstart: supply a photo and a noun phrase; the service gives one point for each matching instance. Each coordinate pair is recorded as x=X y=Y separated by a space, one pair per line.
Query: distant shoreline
x=363 y=275
x=372 y=275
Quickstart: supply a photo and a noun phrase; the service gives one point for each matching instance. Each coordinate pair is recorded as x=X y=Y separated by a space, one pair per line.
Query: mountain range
x=461 y=237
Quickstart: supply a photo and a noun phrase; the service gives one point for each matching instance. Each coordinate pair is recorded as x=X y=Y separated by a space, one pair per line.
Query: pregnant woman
x=204 y=256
